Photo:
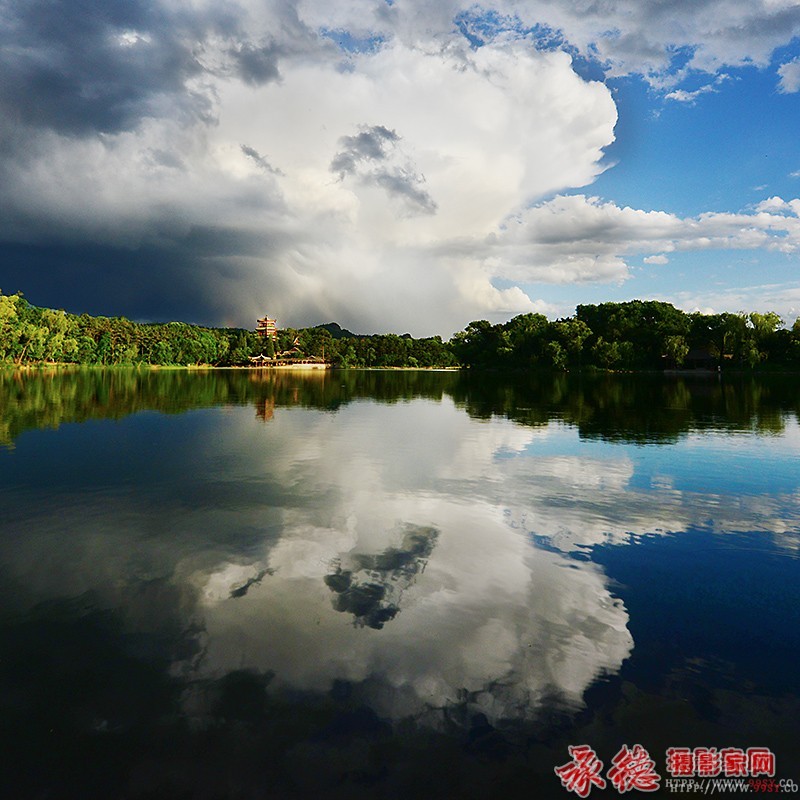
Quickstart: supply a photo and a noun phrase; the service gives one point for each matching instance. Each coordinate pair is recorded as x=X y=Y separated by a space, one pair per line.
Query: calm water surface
x=358 y=584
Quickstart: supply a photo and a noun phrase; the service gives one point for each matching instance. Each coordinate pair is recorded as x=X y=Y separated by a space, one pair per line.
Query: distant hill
x=338 y=332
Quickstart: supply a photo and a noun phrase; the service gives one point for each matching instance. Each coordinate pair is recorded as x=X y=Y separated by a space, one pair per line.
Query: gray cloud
x=364 y=154
x=262 y=162
x=652 y=38
x=163 y=158
x=626 y=37
x=284 y=35
x=405 y=184
x=257 y=65
x=370 y=144
x=83 y=66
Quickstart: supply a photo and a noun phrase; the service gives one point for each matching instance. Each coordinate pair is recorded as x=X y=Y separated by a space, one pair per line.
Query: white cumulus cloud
x=789 y=74
x=575 y=238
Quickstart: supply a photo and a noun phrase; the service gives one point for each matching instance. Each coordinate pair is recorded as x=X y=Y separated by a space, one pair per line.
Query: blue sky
x=399 y=166
x=726 y=150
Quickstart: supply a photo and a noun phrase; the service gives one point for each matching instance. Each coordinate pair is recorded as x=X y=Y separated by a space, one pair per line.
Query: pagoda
x=267 y=328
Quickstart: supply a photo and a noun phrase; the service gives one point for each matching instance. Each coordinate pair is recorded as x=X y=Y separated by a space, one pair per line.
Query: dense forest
x=635 y=335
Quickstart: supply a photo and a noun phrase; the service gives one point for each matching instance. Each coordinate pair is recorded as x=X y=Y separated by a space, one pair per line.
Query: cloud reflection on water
x=241 y=536
x=481 y=618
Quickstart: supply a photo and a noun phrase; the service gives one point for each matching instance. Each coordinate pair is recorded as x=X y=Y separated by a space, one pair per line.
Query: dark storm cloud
x=86 y=71
x=85 y=66
x=81 y=67
x=106 y=280
x=189 y=277
x=210 y=240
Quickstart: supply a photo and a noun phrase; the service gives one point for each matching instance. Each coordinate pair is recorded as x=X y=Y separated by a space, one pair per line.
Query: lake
x=346 y=584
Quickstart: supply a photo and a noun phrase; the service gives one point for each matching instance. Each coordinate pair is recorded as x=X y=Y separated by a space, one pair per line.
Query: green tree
x=571 y=334
x=9 y=327
x=557 y=355
x=606 y=354
x=676 y=349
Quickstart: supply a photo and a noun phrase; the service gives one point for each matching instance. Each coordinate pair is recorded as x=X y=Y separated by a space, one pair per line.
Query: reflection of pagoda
x=266 y=410
x=267 y=328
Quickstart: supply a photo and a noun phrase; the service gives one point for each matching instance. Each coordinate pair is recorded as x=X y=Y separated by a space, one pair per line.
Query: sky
x=398 y=165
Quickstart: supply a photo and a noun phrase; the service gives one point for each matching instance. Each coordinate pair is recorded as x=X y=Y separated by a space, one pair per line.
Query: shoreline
x=55 y=366
x=322 y=368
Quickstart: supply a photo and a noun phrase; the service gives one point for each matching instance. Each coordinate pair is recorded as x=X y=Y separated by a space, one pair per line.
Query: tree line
x=634 y=335
x=377 y=350
x=33 y=335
